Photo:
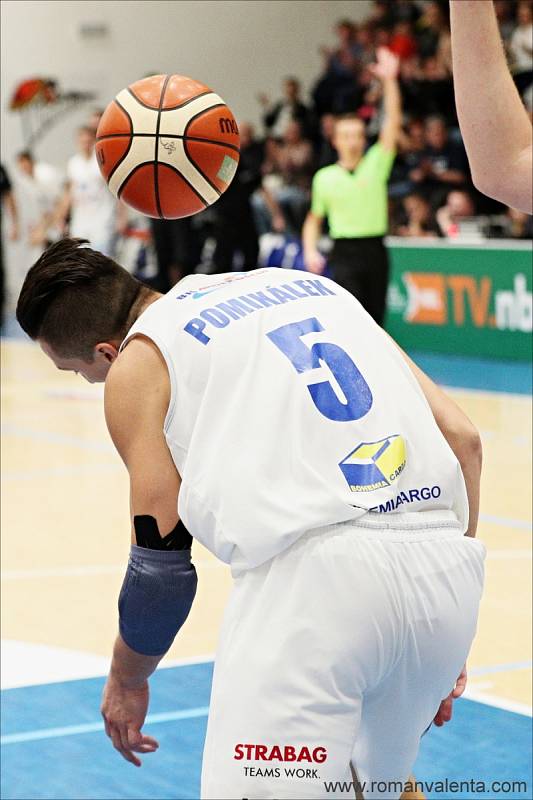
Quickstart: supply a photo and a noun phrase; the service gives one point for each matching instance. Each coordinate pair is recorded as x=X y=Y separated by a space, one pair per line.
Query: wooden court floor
x=65 y=532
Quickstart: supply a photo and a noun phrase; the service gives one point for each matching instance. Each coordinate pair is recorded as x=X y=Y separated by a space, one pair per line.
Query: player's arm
x=160 y=584
x=62 y=208
x=494 y=124
x=11 y=205
x=461 y=435
x=386 y=69
x=312 y=228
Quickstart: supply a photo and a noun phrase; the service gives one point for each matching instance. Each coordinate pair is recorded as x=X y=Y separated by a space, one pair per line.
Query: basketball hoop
x=41 y=104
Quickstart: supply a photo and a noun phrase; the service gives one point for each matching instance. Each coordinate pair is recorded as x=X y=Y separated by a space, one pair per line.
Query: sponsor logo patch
x=374 y=465
x=227 y=169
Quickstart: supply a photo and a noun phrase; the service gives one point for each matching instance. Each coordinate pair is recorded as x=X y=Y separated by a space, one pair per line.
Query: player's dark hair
x=25 y=154
x=75 y=297
x=348 y=115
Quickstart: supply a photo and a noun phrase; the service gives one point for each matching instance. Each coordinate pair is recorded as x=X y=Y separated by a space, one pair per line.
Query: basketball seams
x=126 y=112
x=141 y=153
x=125 y=154
x=186 y=102
x=170 y=108
x=199 y=114
x=190 y=173
x=185 y=180
x=138 y=100
x=135 y=169
x=211 y=141
x=197 y=167
x=156 y=154
x=217 y=142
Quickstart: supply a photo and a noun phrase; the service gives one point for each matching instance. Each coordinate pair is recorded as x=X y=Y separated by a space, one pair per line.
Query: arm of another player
x=312 y=228
x=62 y=209
x=494 y=124
x=461 y=435
x=137 y=395
x=386 y=69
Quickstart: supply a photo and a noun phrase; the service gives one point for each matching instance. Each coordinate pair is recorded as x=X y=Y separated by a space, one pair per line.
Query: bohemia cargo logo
x=437 y=299
x=284 y=753
x=374 y=465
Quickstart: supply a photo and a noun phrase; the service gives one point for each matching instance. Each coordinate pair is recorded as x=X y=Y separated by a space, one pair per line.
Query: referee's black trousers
x=362 y=267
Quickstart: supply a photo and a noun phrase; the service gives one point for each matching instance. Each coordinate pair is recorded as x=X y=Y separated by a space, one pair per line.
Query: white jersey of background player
x=302 y=450
x=92 y=208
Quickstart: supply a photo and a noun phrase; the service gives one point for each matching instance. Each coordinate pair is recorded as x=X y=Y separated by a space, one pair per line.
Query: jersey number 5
x=303 y=358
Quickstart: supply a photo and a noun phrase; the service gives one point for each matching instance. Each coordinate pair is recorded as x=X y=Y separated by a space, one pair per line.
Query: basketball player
x=493 y=121
x=86 y=199
x=267 y=415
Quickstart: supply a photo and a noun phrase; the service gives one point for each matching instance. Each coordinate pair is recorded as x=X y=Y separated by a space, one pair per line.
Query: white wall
x=238 y=47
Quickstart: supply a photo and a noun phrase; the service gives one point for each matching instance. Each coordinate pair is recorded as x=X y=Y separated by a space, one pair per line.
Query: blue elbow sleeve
x=155 y=599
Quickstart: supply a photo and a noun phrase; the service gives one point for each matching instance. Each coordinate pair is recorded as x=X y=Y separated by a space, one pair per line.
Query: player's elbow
x=510 y=184
x=468 y=446
x=490 y=185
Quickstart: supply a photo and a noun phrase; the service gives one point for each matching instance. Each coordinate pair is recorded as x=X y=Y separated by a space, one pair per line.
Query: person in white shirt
x=91 y=205
x=38 y=185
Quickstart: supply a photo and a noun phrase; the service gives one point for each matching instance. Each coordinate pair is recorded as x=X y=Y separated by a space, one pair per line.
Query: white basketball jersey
x=290 y=409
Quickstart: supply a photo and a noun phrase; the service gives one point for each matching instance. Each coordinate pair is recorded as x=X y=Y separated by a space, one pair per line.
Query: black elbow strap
x=156 y=597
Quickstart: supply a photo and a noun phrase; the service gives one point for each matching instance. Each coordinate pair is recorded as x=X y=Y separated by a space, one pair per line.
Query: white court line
x=65 y=470
x=11 y=429
x=506 y=522
x=108 y=569
x=509 y=555
x=88 y=570
x=498 y=702
x=509 y=667
x=475 y=693
x=203 y=711
x=93 y=727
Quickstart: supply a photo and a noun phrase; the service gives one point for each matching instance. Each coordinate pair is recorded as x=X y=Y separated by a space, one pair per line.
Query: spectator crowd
x=430 y=190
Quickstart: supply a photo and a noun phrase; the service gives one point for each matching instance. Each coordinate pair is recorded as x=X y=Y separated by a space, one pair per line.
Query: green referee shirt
x=355 y=203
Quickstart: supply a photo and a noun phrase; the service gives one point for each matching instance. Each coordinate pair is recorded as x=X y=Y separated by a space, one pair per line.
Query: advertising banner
x=467 y=300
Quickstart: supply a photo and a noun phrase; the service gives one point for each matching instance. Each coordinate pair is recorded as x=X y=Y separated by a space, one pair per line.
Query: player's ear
x=107 y=351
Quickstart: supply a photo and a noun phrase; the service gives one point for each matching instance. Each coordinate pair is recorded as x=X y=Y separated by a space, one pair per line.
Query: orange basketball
x=168 y=146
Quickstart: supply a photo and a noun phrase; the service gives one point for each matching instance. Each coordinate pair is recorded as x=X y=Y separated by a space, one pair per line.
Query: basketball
x=168 y=146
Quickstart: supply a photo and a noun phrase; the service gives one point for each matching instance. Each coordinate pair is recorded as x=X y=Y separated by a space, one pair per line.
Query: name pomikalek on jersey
x=221 y=314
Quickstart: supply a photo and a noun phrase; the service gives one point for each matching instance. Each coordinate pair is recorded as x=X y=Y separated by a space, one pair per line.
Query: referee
x=352 y=194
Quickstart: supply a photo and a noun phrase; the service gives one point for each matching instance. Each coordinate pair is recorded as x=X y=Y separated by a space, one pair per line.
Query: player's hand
x=315 y=262
x=124 y=711
x=387 y=64
x=444 y=714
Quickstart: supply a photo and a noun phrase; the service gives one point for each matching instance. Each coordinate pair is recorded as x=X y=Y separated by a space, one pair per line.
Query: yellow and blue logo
x=374 y=465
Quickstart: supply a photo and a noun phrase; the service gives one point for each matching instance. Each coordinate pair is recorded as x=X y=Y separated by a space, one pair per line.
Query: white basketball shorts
x=335 y=655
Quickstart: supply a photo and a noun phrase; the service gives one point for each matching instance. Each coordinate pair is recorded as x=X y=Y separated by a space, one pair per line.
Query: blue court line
x=519 y=524
x=466 y=372
x=91 y=727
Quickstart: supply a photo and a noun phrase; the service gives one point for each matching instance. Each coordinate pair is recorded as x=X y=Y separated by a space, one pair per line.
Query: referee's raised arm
x=386 y=69
x=352 y=194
